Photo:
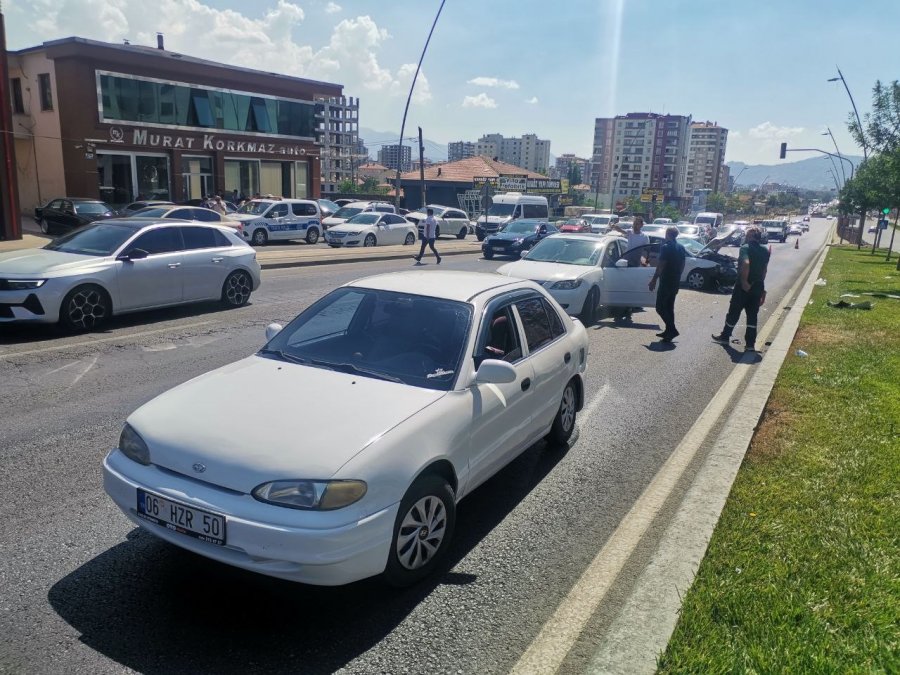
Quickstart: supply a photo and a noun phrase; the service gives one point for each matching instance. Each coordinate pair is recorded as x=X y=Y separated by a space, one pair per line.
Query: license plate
x=197 y=523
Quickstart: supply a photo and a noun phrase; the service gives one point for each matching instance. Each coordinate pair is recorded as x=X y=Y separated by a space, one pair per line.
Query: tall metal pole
x=840 y=156
x=421 y=168
x=409 y=98
x=865 y=149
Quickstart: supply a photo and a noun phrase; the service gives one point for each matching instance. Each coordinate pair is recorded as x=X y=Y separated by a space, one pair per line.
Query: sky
x=758 y=68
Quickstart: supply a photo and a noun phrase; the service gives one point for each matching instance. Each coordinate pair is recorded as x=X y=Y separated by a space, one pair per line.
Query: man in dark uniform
x=750 y=290
x=668 y=272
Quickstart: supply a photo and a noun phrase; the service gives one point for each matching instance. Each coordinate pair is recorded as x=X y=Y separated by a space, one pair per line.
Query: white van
x=707 y=218
x=508 y=207
x=601 y=222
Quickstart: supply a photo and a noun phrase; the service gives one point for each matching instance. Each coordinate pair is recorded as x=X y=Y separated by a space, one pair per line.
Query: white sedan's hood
x=351 y=227
x=259 y=419
x=543 y=271
x=331 y=221
x=38 y=261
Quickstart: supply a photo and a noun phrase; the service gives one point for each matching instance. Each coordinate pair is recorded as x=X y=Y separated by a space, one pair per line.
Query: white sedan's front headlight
x=318 y=495
x=353 y=234
x=22 y=284
x=133 y=446
x=567 y=285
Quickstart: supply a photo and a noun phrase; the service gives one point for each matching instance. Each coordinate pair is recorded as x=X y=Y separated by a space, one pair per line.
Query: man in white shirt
x=428 y=236
x=635 y=237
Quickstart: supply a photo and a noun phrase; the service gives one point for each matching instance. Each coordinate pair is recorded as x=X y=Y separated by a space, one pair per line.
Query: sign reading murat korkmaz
x=207 y=142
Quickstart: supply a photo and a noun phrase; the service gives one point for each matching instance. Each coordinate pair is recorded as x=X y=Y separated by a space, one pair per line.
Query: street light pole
x=840 y=77
x=840 y=156
x=738 y=176
x=408 y=99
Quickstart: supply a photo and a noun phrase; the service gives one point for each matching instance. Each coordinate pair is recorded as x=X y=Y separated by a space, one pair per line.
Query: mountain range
x=436 y=152
x=808 y=173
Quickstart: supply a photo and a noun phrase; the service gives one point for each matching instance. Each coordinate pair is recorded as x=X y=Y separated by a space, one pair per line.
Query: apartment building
x=567 y=162
x=393 y=156
x=706 y=158
x=337 y=133
x=528 y=152
x=641 y=150
x=460 y=150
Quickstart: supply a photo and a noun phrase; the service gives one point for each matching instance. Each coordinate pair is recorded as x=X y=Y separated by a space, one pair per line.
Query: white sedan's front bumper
x=38 y=305
x=326 y=557
x=571 y=300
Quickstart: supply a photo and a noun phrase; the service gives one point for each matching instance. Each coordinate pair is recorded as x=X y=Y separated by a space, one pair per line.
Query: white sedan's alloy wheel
x=421 y=532
x=84 y=308
x=237 y=289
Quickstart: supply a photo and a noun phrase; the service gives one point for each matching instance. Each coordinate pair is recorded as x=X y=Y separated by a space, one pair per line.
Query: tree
x=346 y=187
x=881 y=127
x=716 y=202
x=369 y=186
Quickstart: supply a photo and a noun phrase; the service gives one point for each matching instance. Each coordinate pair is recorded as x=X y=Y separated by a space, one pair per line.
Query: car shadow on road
x=13 y=334
x=156 y=608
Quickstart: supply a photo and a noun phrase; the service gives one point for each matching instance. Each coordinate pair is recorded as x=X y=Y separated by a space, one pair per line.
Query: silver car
x=125 y=265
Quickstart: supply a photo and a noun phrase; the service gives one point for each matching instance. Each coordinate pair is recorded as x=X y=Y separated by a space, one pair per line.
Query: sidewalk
x=800 y=573
x=307 y=255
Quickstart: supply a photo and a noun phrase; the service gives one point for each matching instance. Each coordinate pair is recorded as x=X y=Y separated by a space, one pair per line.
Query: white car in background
x=346 y=212
x=266 y=220
x=449 y=220
x=601 y=222
x=436 y=381
x=125 y=265
x=584 y=272
x=372 y=229
x=195 y=213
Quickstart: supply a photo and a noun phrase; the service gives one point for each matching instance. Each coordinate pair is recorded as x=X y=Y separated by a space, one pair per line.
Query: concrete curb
x=643 y=627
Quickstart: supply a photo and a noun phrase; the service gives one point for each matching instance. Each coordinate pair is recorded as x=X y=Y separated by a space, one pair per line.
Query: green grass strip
x=802 y=574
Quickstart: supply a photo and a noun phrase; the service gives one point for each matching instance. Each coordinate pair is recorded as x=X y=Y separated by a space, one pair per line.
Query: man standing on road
x=668 y=272
x=428 y=235
x=635 y=238
x=750 y=290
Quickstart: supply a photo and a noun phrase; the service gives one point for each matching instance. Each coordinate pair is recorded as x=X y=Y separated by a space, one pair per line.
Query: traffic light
x=783 y=151
x=885 y=211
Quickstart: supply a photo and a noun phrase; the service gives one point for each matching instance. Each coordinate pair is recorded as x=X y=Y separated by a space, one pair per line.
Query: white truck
x=508 y=207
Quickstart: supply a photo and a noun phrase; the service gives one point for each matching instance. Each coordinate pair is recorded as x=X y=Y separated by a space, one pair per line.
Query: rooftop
x=450 y=285
x=464 y=170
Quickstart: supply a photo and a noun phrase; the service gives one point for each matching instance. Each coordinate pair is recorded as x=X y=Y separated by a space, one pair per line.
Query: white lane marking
x=112 y=338
x=601 y=394
x=85 y=370
x=168 y=346
x=56 y=370
x=558 y=635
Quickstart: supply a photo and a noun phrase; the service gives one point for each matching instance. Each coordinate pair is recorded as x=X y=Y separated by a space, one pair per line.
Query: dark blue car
x=518 y=235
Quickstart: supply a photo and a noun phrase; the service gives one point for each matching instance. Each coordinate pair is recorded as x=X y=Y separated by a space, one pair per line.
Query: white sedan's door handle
x=218 y=259
x=172 y=266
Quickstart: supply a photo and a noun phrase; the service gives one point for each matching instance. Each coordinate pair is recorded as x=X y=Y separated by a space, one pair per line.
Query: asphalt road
x=82 y=590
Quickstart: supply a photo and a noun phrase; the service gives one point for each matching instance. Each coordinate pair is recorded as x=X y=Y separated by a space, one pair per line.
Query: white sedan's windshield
x=101 y=239
x=566 y=251
x=704 y=220
x=346 y=212
x=364 y=219
x=386 y=335
x=519 y=228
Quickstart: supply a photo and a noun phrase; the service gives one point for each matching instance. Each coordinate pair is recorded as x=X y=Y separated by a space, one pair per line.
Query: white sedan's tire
x=370 y=240
x=422 y=531
x=564 y=422
x=410 y=239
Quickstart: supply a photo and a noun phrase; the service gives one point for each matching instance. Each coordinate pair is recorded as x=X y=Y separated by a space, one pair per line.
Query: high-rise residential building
x=565 y=164
x=394 y=156
x=706 y=158
x=337 y=132
x=460 y=150
x=641 y=150
x=528 y=152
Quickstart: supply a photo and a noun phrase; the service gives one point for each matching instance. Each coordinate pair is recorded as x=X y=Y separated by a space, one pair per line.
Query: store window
x=114 y=177
x=125 y=177
x=243 y=175
x=152 y=177
x=124 y=98
x=301 y=180
x=45 y=91
x=196 y=177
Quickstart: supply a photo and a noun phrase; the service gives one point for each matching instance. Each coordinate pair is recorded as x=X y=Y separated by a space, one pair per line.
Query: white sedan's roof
x=588 y=236
x=450 y=285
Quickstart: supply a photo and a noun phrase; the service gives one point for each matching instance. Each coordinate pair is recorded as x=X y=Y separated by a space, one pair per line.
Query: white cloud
x=533 y=100
x=332 y=8
x=480 y=101
x=494 y=82
x=350 y=56
x=769 y=132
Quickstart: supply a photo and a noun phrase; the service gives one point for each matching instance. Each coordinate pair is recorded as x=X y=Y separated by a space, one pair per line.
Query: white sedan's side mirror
x=494 y=371
x=621 y=262
x=272 y=330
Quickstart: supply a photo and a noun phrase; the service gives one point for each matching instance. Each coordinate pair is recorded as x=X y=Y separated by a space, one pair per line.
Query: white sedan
x=586 y=271
x=433 y=382
x=118 y=266
x=372 y=229
x=449 y=220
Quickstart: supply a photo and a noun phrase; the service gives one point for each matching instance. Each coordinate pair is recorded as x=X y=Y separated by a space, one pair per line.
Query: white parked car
x=372 y=229
x=195 y=213
x=584 y=272
x=433 y=381
x=126 y=265
x=601 y=222
x=449 y=220
x=346 y=212
x=266 y=220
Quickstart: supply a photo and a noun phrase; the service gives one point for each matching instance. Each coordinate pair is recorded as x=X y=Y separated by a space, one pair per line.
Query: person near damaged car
x=668 y=272
x=749 y=292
